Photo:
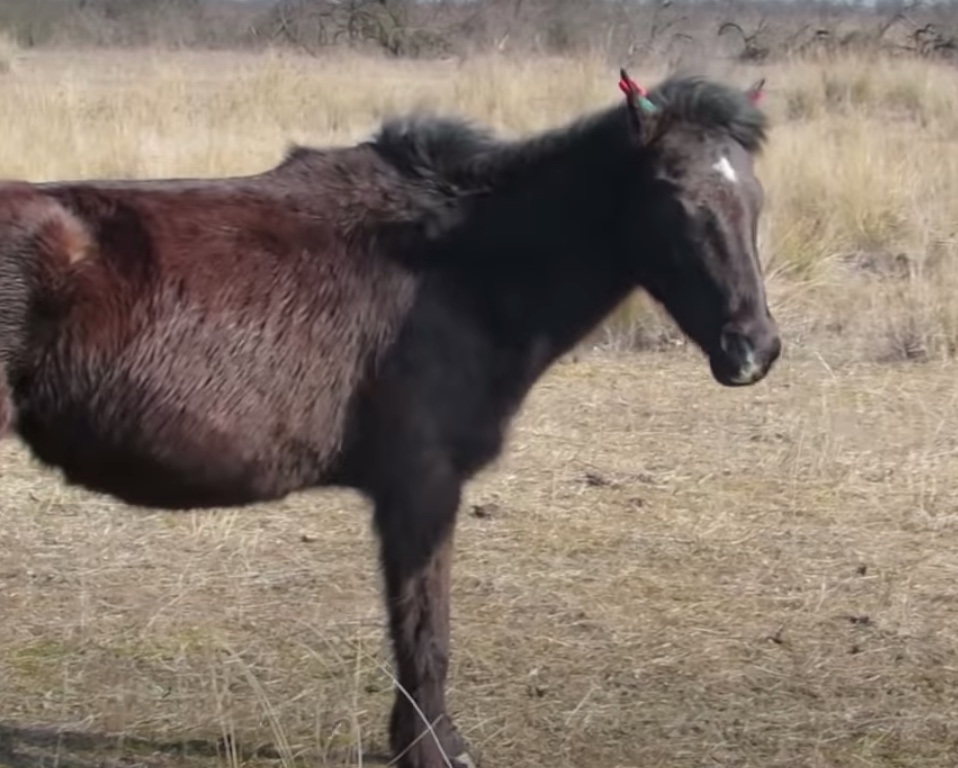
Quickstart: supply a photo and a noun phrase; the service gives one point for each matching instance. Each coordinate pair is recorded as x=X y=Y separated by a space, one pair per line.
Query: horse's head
x=696 y=213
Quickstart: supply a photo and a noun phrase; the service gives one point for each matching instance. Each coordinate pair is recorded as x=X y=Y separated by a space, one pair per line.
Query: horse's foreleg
x=6 y=405
x=416 y=533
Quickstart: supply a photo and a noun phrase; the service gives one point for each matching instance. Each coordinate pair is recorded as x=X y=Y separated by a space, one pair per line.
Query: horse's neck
x=545 y=261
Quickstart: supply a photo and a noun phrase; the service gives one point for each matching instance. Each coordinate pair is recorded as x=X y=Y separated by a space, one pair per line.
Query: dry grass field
x=658 y=573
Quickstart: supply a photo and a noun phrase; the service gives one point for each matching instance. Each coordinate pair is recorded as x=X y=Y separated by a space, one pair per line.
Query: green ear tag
x=647 y=105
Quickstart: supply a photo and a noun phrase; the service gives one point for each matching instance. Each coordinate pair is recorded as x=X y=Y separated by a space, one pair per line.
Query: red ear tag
x=630 y=88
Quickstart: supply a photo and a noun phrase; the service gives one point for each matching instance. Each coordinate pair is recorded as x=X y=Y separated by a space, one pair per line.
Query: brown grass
x=660 y=572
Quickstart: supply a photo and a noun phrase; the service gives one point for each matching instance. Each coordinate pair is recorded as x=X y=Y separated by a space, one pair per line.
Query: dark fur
x=370 y=316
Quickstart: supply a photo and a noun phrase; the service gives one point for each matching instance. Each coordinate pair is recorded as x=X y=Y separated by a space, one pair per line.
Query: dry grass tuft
x=660 y=572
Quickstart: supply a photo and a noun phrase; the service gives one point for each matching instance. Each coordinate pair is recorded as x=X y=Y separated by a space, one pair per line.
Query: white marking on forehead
x=724 y=167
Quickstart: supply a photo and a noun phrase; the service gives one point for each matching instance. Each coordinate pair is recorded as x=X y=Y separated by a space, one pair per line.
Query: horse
x=372 y=316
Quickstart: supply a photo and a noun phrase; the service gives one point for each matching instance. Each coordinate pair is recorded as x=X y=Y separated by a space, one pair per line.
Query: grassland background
x=659 y=572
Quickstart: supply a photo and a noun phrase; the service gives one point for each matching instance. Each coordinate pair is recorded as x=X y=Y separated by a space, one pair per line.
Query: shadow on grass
x=49 y=746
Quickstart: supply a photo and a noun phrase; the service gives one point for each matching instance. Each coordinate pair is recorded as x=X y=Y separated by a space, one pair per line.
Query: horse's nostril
x=736 y=345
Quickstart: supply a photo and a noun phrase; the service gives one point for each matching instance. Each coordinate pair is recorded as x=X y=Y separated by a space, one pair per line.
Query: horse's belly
x=196 y=405
x=156 y=451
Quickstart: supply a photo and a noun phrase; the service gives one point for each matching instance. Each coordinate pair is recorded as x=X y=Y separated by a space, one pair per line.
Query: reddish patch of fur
x=67 y=235
x=51 y=228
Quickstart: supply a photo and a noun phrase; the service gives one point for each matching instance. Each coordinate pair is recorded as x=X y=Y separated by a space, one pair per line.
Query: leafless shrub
x=385 y=25
x=662 y=31
x=752 y=48
x=933 y=41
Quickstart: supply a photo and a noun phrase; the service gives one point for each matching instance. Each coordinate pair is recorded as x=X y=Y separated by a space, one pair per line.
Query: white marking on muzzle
x=465 y=760
x=749 y=372
x=724 y=167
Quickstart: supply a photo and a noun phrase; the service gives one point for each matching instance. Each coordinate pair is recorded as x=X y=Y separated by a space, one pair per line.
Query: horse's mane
x=429 y=145
x=714 y=106
x=460 y=152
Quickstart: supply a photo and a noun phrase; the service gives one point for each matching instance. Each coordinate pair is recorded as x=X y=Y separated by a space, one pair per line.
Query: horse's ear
x=756 y=91
x=641 y=110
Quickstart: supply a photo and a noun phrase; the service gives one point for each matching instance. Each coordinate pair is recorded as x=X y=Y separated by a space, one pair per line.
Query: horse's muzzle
x=746 y=352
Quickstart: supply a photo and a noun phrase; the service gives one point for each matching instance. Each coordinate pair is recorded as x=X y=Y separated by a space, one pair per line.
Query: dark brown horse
x=371 y=317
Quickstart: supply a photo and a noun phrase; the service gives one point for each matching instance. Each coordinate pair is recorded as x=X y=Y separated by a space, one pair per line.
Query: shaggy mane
x=425 y=144
x=457 y=151
x=712 y=105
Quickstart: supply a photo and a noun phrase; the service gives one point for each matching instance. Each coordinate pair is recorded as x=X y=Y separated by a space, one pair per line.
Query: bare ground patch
x=660 y=572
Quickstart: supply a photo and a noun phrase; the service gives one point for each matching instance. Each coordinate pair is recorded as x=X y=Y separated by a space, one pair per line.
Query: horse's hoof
x=464 y=761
